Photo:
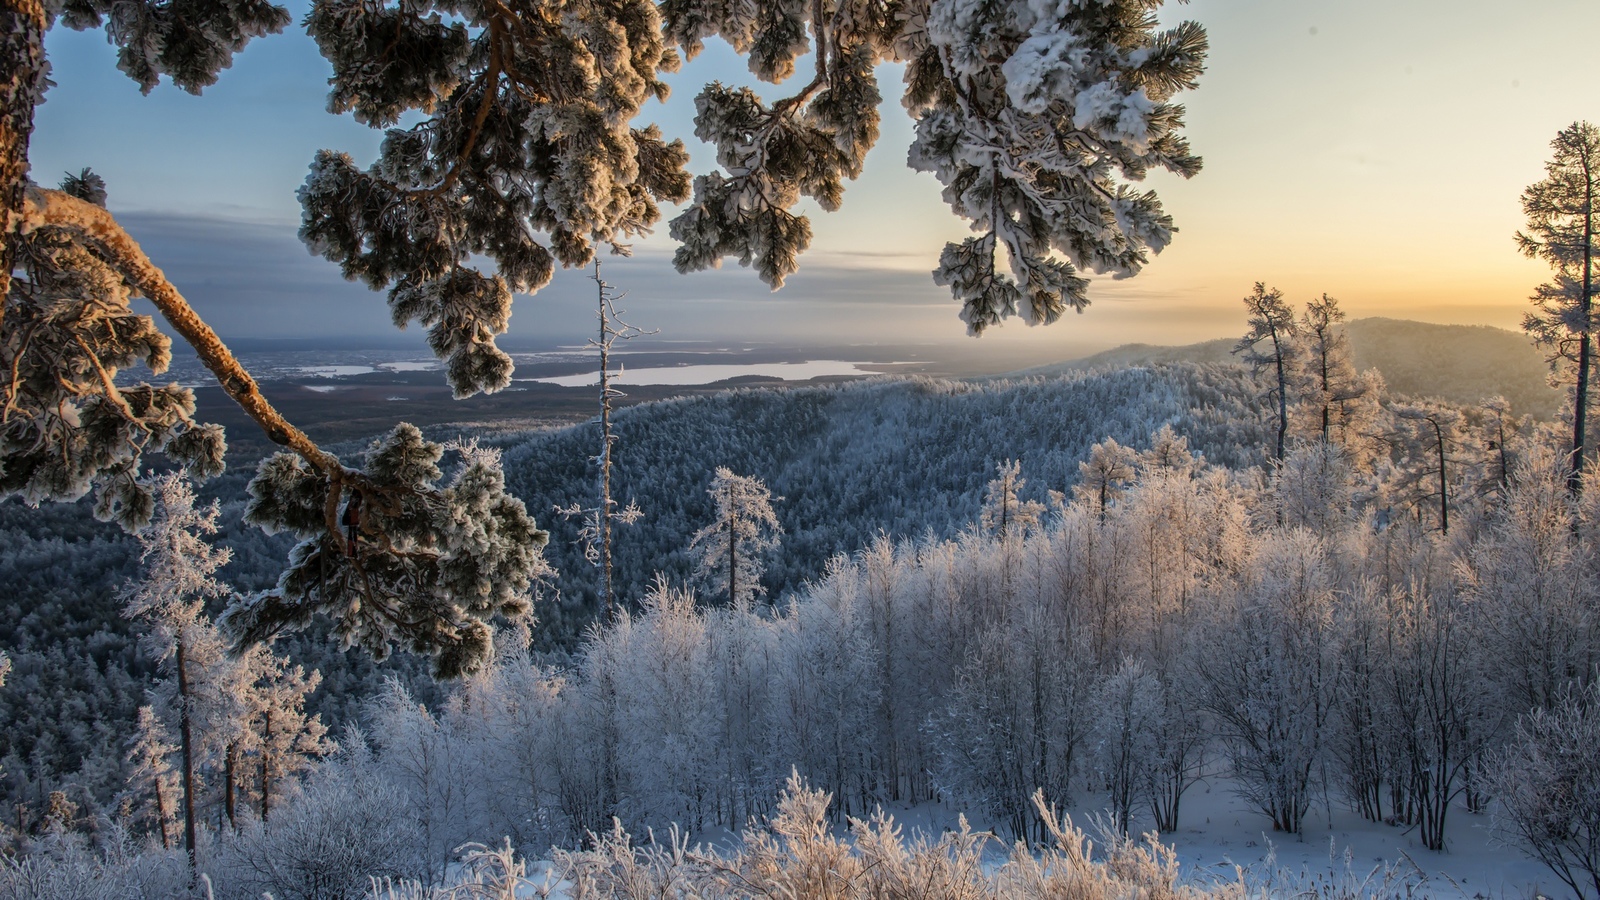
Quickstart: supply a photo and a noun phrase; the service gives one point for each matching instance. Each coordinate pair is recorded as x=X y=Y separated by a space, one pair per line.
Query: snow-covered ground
x=1218 y=830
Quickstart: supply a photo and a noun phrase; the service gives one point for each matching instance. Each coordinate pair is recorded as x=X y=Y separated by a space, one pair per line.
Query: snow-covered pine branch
x=1037 y=119
x=526 y=154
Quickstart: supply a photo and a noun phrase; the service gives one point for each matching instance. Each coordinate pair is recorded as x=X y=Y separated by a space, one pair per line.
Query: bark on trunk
x=1283 y=394
x=266 y=771
x=22 y=25
x=186 y=730
x=161 y=815
x=733 y=555
x=1580 y=411
x=230 y=769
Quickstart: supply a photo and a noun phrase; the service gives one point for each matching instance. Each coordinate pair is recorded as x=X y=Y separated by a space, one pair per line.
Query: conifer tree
x=1003 y=512
x=435 y=557
x=180 y=575
x=286 y=741
x=731 y=548
x=1034 y=118
x=1436 y=434
x=67 y=424
x=1271 y=345
x=1500 y=432
x=151 y=775
x=1103 y=476
x=1169 y=452
x=1339 y=402
x=1564 y=231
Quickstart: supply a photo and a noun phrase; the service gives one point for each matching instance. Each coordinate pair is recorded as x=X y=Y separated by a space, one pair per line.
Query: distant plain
x=342 y=393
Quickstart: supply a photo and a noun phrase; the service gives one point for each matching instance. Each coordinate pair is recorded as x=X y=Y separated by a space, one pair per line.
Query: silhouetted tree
x=1563 y=225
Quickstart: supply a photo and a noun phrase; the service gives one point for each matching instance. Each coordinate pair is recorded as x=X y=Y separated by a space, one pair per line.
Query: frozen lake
x=707 y=374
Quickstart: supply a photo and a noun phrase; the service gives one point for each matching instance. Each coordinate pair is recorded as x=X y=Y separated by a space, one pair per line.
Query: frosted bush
x=64 y=869
x=796 y=855
x=329 y=846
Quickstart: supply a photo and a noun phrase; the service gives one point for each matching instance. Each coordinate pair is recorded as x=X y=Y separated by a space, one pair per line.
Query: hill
x=1461 y=363
x=903 y=456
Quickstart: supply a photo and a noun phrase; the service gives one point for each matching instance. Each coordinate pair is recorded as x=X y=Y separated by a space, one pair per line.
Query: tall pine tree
x=1563 y=228
x=1271 y=346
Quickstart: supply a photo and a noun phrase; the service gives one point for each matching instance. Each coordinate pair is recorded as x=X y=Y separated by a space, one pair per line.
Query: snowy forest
x=701 y=647
x=1117 y=620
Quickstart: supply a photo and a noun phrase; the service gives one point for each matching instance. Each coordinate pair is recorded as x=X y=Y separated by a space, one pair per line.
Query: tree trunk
x=604 y=518
x=266 y=772
x=161 y=817
x=230 y=761
x=1283 y=394
x=1322 y=352
x=1444 y=494
x=1580 y=404
x=186 y=730
x=122 y=252
x=733 y=556
x=22 y=24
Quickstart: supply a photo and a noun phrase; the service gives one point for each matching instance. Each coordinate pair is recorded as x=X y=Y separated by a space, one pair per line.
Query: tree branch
x=53 y=208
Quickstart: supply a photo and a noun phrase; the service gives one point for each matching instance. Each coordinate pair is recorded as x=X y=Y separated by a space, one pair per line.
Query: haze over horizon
x=1373 y=152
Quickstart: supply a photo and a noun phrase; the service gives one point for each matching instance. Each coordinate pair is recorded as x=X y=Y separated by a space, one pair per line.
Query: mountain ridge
x=1460 y=363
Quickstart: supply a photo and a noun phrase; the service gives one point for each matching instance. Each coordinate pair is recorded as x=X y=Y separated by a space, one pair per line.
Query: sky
x=1373 y=150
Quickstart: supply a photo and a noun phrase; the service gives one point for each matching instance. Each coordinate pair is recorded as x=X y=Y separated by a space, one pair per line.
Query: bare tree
x=595 y=534
x=1548 y=783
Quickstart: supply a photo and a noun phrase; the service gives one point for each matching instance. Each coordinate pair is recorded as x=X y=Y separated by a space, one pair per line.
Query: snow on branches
x=526 y=154
x=428 y=563
x=1034 y=116
x=730 y=550
x=67 y=425
x=510 y=146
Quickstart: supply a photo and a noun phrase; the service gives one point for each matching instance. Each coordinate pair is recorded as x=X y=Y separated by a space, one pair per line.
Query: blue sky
x=1371 y=150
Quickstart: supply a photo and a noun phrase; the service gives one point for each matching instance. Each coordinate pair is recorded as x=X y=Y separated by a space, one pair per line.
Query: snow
x=1217 y=829
x=1045 y=68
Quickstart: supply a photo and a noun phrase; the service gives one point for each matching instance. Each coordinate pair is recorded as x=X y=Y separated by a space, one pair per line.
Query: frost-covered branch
x=97 y=227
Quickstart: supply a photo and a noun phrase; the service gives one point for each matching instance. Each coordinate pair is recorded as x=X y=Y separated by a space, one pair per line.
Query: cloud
x=250 y=280
x=255 y=281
